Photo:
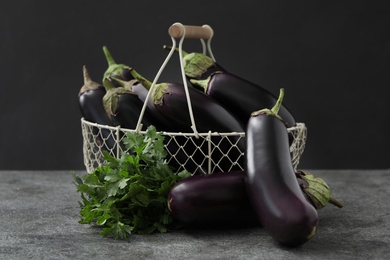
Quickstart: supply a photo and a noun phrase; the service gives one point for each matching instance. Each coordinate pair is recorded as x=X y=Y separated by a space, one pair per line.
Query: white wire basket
x=196 y=152
x=185 y=151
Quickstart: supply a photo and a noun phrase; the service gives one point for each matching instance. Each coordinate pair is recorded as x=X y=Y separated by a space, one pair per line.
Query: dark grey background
x=332 y=58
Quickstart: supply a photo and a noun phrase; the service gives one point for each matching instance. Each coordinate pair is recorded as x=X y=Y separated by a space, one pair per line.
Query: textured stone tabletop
x=39 y=220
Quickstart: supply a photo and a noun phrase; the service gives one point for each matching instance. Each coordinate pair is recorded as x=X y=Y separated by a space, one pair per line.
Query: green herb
x=128 y=195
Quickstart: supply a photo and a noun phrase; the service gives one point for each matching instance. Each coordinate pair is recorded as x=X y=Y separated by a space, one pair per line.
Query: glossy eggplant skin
x=208 y=116
x=272 y=185
x=212 y=201
x=91 y=106
x=128 y=112
x=241 y=97
x=170 y=101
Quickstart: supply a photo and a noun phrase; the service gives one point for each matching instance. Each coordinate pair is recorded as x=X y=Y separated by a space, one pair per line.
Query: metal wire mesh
x=208 y=153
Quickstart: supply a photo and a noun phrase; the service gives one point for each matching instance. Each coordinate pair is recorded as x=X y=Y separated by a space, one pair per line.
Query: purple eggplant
x=151 y=115
x=92 y=109
x=214 y=200
x=239 y=96
x=272 y=185
x=181 y=156
x=169 y=99
x=221 y=199
x=124 y=107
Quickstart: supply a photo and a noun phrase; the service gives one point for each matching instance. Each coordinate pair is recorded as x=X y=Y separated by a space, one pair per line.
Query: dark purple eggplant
x=169 y=99
x=173 y=146
x=239 y=96
x=214 y=200
x=124 y=107
x=151 y=115
x=272 y=185
x=221 y=199
x=91 y=106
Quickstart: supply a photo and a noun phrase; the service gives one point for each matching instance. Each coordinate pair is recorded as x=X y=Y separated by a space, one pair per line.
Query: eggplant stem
x=109 y=58
x=335 y=202
x=278 y=104
x=121 y=82
x=146 y=83
x=87 y=77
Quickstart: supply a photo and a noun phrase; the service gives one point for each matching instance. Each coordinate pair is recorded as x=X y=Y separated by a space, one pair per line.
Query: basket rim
x=299 y=125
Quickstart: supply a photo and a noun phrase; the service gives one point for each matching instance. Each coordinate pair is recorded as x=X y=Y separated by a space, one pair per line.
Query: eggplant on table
x=238 y=95
x=169 y=99
x=220 y=200
x=273 y=189
x=212 y=201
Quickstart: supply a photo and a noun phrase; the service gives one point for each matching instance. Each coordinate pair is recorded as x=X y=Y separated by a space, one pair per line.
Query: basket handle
x=180 y=30
x=177 y=30
x=204 y=32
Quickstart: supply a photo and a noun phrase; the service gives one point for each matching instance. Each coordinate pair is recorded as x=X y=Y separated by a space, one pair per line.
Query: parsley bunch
x=128 y=195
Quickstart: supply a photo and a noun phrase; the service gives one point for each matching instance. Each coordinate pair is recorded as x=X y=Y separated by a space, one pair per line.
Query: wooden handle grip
x=195 y=32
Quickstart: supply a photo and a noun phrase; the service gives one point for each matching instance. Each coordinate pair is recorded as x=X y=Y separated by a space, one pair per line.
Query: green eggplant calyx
x=274 y=110
x=195 y=64
x=158 y=93
x=113 y=67
x=89 y=84
x=318 y=191
x=202 y=83
x=111 y=98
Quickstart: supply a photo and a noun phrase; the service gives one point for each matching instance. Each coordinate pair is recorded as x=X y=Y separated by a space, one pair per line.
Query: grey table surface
x=39 y=220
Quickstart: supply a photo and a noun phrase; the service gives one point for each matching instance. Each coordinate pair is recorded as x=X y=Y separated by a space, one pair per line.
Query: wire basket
x=196 y=152
x=201 y=153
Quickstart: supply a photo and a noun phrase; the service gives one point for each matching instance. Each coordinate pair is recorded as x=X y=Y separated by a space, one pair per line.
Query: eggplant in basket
x=183 y=152
x=169 y=99
x=239 y=96
x=91 y=106
x=124 y=107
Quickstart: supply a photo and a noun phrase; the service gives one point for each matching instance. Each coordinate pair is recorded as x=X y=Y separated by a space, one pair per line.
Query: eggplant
x=174 y=147
x=169 y=99
x=114 y=69
x=91 y=106
x=212 y=201
x=238 y=95
x=124 y=107
x=151 y=115
x=220 y=200
x=272 y=187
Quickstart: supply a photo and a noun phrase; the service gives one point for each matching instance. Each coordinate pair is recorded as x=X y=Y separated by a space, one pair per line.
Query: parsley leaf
x=128 y=195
